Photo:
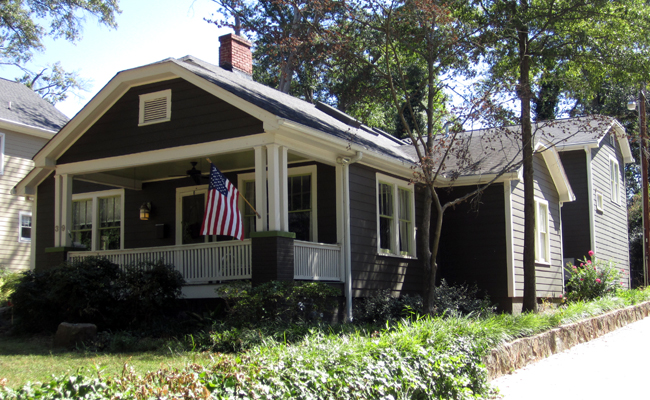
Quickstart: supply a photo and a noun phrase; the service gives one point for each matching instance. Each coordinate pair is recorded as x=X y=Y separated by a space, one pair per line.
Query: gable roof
x=275 y=109
x=23 y=110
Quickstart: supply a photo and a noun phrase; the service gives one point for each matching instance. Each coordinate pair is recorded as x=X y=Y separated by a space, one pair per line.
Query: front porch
x=219 y=262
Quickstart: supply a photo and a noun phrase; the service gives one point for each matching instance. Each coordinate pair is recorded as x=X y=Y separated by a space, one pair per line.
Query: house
x=482 y=238
x=125 y=179
x=27 y=122
x=594 y=151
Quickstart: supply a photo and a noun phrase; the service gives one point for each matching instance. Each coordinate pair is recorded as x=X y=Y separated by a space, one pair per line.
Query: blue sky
x=148 y=31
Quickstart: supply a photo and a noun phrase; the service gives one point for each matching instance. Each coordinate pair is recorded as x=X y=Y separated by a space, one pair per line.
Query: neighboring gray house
x=482 y=239
x=594 y=151
x=27 y=122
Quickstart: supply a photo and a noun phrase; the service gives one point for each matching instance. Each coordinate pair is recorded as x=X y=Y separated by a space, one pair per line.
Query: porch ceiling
x=244 y=160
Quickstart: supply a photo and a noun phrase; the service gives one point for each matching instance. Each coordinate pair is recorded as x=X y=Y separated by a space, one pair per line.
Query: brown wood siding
x=44 y=234
x=473 y=241
x=549 y=278
x=575 y=214
x=326 y=203
x=196 y=117
x=610 y=225
x=371 y=271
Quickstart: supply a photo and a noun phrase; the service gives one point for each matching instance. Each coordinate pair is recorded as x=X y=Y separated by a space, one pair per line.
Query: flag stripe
x=222 y=216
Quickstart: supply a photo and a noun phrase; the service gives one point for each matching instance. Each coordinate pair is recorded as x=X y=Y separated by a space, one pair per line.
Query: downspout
x=592 y=232
x=345 y=163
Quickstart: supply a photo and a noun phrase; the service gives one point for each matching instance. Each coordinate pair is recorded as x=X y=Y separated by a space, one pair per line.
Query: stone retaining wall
x=521 y=352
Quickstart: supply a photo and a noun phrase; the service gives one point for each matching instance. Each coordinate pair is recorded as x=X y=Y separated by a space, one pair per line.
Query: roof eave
x=556 y=170
x=26 y=129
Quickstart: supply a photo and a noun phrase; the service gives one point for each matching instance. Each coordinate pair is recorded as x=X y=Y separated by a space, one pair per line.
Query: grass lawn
x=34 y=359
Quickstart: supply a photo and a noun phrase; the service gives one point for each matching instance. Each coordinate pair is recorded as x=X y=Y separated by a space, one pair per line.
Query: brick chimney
x=235 y=54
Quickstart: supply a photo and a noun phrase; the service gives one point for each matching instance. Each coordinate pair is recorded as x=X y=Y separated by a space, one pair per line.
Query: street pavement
x=614 y=366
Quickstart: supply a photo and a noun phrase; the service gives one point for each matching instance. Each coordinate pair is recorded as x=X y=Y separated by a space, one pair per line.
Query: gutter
x=345 y=163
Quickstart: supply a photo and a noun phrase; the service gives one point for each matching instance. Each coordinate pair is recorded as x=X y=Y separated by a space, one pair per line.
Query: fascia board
x=26 y=129
x=477 y=179
x=370 y=158
x=27 y=185
x=552 y=159
x=118 y=86
x=621 y=139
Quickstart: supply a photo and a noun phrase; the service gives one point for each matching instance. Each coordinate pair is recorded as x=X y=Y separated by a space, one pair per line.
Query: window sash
x=24 y=227
x=97 y=220
x=395 y=219
x=614 y=177
x=542 y=241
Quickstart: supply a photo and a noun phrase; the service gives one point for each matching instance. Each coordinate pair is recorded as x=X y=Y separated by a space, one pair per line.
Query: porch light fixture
x=145 y=211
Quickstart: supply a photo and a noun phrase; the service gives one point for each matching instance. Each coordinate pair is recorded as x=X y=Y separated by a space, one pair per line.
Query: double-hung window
x=24 y=227
x=97 y=220
x=542 y=239
x=395 y=217
x=301 y=201
x=614 y=178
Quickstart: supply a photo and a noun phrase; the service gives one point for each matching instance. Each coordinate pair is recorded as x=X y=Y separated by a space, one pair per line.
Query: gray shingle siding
x=549 y=278
x=610 y=225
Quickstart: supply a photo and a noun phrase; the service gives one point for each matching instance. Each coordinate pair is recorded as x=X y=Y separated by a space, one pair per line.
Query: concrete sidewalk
x=614 y=366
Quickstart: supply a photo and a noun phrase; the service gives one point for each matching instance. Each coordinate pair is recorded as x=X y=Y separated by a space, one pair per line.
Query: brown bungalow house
x=334 y=196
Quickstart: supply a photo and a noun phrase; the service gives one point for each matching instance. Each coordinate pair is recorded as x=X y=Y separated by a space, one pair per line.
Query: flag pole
x=244 y=198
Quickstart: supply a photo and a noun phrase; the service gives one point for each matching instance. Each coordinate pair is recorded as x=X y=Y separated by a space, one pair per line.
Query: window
x=612 y=140
x=97 y=220
x=155 y=107
x=614 y=177
x=301 y=191
x=2 y=153
x=599 y=202
x=395 y=216
x=24 y=227
x=542 y=240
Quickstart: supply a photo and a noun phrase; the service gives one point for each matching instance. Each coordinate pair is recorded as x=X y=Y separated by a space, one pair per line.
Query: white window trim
x=600 y=203
x=547 y=256
x=21 y=239
x=180 y=193
x=167 y=94
x=2 y=153
x=612 y=140
x=95 y=196
x=304 y=170
x=615 y=197
x=396 y=184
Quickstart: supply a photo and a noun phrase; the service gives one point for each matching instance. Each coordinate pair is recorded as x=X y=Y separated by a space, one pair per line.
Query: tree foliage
x=552 y=45
x=25 y=23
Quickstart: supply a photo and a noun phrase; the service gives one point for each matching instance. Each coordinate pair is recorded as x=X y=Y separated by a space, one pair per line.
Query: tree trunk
x=430 y=244
x=524 y=93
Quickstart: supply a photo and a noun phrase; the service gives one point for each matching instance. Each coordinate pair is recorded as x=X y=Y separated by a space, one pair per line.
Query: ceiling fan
x=193 y=173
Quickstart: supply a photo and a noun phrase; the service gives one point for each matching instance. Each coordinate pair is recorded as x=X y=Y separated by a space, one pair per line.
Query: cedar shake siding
x=371 y=271
x=473 y=241
x=575 y=214
x=550 y=282
x=196 y=117
x=610 y=225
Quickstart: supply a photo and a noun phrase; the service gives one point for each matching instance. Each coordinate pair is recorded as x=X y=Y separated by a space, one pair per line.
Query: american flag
x=222 y=216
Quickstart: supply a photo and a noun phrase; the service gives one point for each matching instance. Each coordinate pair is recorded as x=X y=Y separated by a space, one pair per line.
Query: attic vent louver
x=155 y=107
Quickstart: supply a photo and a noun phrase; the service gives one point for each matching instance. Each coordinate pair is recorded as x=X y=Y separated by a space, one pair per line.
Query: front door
x=190 y=206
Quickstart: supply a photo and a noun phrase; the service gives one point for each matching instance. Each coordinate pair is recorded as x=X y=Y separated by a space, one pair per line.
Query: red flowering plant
x=591 y=278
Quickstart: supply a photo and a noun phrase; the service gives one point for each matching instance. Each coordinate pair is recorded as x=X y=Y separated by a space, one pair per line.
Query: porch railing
x=198 y=263
x=317 y=261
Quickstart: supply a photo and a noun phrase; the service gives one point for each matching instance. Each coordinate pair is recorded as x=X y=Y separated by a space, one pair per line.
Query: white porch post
x=343 y=231
x=62 y=210
x=277 y=181
x=261 y=224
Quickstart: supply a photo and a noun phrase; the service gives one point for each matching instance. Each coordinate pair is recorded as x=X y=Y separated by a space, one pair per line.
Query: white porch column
x=277 y=181
x=62 y=210
x=261 y=224
x=343 y=231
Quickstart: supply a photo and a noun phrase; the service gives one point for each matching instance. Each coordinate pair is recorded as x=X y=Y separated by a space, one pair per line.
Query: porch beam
x=111 y=180
x=261 y=224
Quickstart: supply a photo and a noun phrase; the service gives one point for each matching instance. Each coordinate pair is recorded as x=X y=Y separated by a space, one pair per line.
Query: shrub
x=593 y=278
x=97 y=291
x=381 y=307
x=285 y=301
x=8 y=282
x=460 y=299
